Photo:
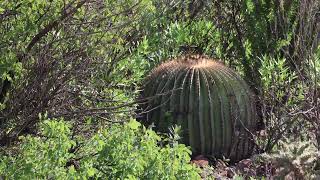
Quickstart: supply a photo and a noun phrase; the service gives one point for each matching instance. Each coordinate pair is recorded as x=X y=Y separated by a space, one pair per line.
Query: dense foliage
x=84 y=61
x=126 y=152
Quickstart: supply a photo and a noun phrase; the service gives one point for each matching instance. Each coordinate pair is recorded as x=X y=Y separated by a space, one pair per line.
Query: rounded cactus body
x=211 y=103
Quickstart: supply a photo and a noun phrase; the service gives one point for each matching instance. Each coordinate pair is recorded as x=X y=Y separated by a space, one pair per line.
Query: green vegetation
x=85 y=61
x=124 y=152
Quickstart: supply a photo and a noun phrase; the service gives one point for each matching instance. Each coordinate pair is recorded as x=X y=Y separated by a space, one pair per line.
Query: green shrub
x=282 y=94
x=127 y=151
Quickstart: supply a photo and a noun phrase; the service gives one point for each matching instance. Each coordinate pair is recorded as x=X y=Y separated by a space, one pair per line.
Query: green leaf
x=1 y=10
x=250 y=5
x=91 y=172
x=133 y=124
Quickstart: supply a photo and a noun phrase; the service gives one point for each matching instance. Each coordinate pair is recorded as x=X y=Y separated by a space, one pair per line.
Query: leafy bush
x=278 y=82
x=126 y=152
x=281 y=92
x=41 y=157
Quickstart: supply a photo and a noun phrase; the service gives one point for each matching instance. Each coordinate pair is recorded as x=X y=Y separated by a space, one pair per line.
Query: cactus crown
x=213 y=105
x=187 y=61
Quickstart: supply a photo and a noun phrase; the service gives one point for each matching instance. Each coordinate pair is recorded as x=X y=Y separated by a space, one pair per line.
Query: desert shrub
x=281 y=96
x=311 y=110
x=126 y=152
x=43 y=156
x=298 y=160
x=66 y=53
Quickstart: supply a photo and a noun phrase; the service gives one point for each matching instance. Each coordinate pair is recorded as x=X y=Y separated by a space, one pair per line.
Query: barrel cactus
x=211 y=103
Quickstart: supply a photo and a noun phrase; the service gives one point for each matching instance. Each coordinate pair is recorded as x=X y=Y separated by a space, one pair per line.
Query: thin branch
x=54 y=24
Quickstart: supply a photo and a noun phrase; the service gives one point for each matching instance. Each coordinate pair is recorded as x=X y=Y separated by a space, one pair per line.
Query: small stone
x=244 y=164
x=200 y=161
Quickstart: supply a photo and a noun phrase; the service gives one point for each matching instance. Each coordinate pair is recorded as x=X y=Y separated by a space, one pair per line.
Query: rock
x=200 y=161
x=244 y=164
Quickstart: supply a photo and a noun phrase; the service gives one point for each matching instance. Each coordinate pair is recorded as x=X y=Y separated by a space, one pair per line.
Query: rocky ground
x=246 y=168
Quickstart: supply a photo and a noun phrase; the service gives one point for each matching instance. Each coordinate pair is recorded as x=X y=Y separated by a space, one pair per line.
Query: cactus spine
x=211 y=103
